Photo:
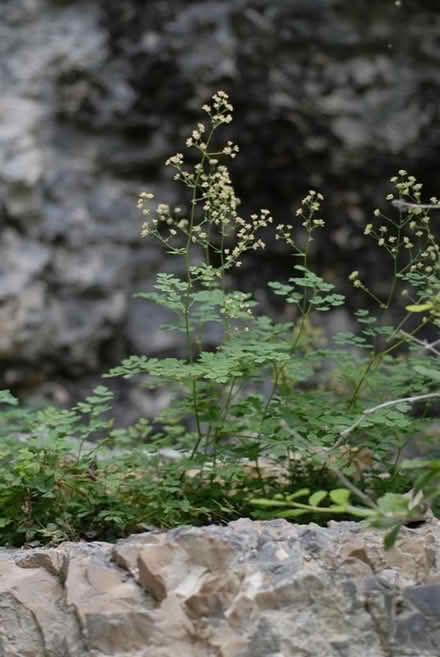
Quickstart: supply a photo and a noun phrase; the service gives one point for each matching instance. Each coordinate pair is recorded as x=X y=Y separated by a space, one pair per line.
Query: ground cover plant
x=276 y=420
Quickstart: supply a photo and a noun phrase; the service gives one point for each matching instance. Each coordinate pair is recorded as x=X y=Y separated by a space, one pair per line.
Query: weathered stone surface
x=248 y=589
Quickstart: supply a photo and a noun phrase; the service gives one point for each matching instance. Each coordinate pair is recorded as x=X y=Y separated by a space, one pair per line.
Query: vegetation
x=274 y=422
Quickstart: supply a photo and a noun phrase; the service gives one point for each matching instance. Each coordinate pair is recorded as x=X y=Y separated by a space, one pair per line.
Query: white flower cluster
x=406 y=185
x=219 y=110
x=354 y=278
x=311 y=204
x=393 y=236
x=236 y=305
x=219 y=200
x=214 y=202
x=231 y=149
x=246 y=237
x=196 y=137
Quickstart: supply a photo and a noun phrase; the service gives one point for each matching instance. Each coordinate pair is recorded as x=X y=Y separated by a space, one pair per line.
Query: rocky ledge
x=248 y=589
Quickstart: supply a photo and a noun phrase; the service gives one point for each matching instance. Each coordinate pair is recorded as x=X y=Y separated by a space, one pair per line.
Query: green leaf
x=391 y=537
x=419 y=308
x=418 y=463
x=211 y=297
x=429 y=372
x=7 y=398
x=316 y=498
x=340 y=496
x=299 y=493
x=392 y=503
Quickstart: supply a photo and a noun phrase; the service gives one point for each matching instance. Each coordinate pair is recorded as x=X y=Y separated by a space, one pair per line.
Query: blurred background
x=334 y=95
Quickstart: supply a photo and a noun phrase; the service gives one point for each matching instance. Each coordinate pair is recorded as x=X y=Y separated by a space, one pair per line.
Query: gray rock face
x=61 y=294
x=96 y=95
x=249 y=589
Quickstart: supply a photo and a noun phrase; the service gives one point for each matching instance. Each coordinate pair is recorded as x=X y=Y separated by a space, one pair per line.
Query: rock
x=260 y=589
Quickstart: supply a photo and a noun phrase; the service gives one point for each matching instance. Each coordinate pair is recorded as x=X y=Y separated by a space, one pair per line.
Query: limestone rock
x=248 y=589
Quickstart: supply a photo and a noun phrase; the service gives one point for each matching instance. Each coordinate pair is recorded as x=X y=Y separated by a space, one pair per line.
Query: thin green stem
x=187 y=298
x=275 y=387
x=376 y=359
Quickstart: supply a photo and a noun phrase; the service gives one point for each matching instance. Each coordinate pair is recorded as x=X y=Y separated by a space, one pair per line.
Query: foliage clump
x=274 y=421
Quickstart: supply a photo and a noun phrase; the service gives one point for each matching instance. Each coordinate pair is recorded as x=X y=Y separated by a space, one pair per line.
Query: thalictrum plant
x=275 y=413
